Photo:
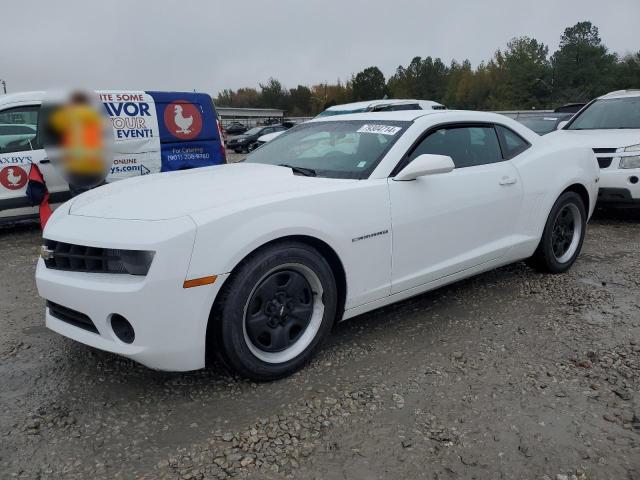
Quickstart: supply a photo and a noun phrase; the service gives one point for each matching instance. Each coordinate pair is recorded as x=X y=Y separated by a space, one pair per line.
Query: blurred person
x=80 y=131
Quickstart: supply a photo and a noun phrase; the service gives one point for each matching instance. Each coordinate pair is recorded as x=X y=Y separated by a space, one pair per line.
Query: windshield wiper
x=307 y=172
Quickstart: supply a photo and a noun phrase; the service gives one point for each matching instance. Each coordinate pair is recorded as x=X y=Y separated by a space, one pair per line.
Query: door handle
x=508 y=180
x=44 y=160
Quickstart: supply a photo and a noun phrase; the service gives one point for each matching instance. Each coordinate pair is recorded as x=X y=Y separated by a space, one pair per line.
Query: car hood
x=175 y=194
x=601 y=138
x=238 y=137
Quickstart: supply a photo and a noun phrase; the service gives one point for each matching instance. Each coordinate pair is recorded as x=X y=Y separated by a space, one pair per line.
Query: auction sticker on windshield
x=381 y=129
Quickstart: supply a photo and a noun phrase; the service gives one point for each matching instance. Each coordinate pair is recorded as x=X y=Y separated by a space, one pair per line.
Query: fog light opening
x=122 y=328
x=633 y=179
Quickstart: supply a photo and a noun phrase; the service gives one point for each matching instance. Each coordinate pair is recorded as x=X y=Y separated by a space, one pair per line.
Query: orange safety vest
x=82 y=143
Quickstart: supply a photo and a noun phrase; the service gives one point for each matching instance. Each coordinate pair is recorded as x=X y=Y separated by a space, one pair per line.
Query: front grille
x=604 y=150
x=72 y=317
x=80 y=258
x=605 y=162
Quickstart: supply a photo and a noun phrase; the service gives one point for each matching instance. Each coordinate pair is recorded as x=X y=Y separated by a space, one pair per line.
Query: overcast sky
x=211 y=45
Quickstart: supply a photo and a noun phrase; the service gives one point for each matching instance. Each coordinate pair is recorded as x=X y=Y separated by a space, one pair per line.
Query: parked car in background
x=610 y=125
x=234 y=128
x=543 y=123
x=270 y=136
x=570 y=108
x=266 y=138
x=246 y=141
x=14 y=135
x=254 y=262
x=381 y=106
x=153 y=132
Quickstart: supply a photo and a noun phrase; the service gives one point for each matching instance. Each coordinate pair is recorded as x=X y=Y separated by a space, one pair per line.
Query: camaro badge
x=370 y=235
x=46 y=253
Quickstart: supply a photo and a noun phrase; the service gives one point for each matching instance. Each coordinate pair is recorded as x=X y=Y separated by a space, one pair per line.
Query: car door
x=20 y=146
x=446 y=223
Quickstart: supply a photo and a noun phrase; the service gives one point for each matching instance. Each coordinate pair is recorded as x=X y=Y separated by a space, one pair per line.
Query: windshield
x=342 y=149
x=540 y=125
x=331 y=113
x=608 y=114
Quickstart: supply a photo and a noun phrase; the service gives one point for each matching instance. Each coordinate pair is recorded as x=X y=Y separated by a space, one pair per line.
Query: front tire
x=563 y=235
x=275 y=311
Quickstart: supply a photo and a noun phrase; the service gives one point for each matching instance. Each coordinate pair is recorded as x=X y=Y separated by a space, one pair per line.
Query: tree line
x=521 y=76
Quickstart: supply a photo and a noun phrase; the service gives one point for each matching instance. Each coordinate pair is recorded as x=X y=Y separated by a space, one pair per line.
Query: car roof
x=622 y=94
x=373 y=103
x=412 y=115
x=35 y=96
x=399 y=115
x=39 y=96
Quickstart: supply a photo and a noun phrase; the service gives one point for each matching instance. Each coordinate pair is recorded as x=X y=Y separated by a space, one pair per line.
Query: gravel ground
x=511 y=374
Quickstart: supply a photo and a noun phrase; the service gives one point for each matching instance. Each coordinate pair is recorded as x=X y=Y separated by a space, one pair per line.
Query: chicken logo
x=183 y=122
x=183 y=119
x=13 y=178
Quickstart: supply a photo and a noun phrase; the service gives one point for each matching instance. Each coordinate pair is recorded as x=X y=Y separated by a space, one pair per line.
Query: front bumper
x=617 y=196
x=625 y=181
x=170 y=322
x=237 y=143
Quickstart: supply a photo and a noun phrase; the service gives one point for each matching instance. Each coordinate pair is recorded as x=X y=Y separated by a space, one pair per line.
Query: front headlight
x=633 y=148
x=134 y=262
x=630 y=162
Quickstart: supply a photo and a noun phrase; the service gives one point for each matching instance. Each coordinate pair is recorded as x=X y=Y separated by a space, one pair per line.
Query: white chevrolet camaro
x=254 y=262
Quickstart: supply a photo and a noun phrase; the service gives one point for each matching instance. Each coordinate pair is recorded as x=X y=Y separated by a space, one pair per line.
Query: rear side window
x=18 y=129
x=468 y=146
x=512 y=143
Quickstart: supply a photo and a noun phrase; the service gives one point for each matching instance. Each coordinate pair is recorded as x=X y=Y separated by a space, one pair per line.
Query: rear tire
x=275 y=311
x=563 y=235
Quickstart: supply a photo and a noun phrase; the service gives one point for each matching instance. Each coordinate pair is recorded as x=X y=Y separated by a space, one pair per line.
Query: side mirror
x=425 y=164
x=562 y=124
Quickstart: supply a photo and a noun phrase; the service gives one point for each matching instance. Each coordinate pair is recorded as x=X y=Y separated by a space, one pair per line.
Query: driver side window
x=18 y=129
x=468 y=146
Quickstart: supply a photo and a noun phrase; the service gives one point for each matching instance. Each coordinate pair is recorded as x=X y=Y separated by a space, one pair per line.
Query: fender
x=245 y=237
x=546 y=172
x=225 y=238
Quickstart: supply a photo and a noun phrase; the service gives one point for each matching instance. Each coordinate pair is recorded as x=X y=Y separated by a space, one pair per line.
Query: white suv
x=611 y=126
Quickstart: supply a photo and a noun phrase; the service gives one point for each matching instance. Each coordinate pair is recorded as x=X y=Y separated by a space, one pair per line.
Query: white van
x=153 y=131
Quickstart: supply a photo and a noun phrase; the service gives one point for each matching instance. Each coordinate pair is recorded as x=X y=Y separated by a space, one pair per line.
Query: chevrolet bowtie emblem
x=46 y=253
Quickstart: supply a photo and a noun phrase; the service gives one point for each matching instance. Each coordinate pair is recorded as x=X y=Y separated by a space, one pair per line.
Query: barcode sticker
x=381 y=129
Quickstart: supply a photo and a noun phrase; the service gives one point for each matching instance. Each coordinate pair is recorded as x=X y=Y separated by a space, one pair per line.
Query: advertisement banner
x=135 y=128
x=188 y=130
